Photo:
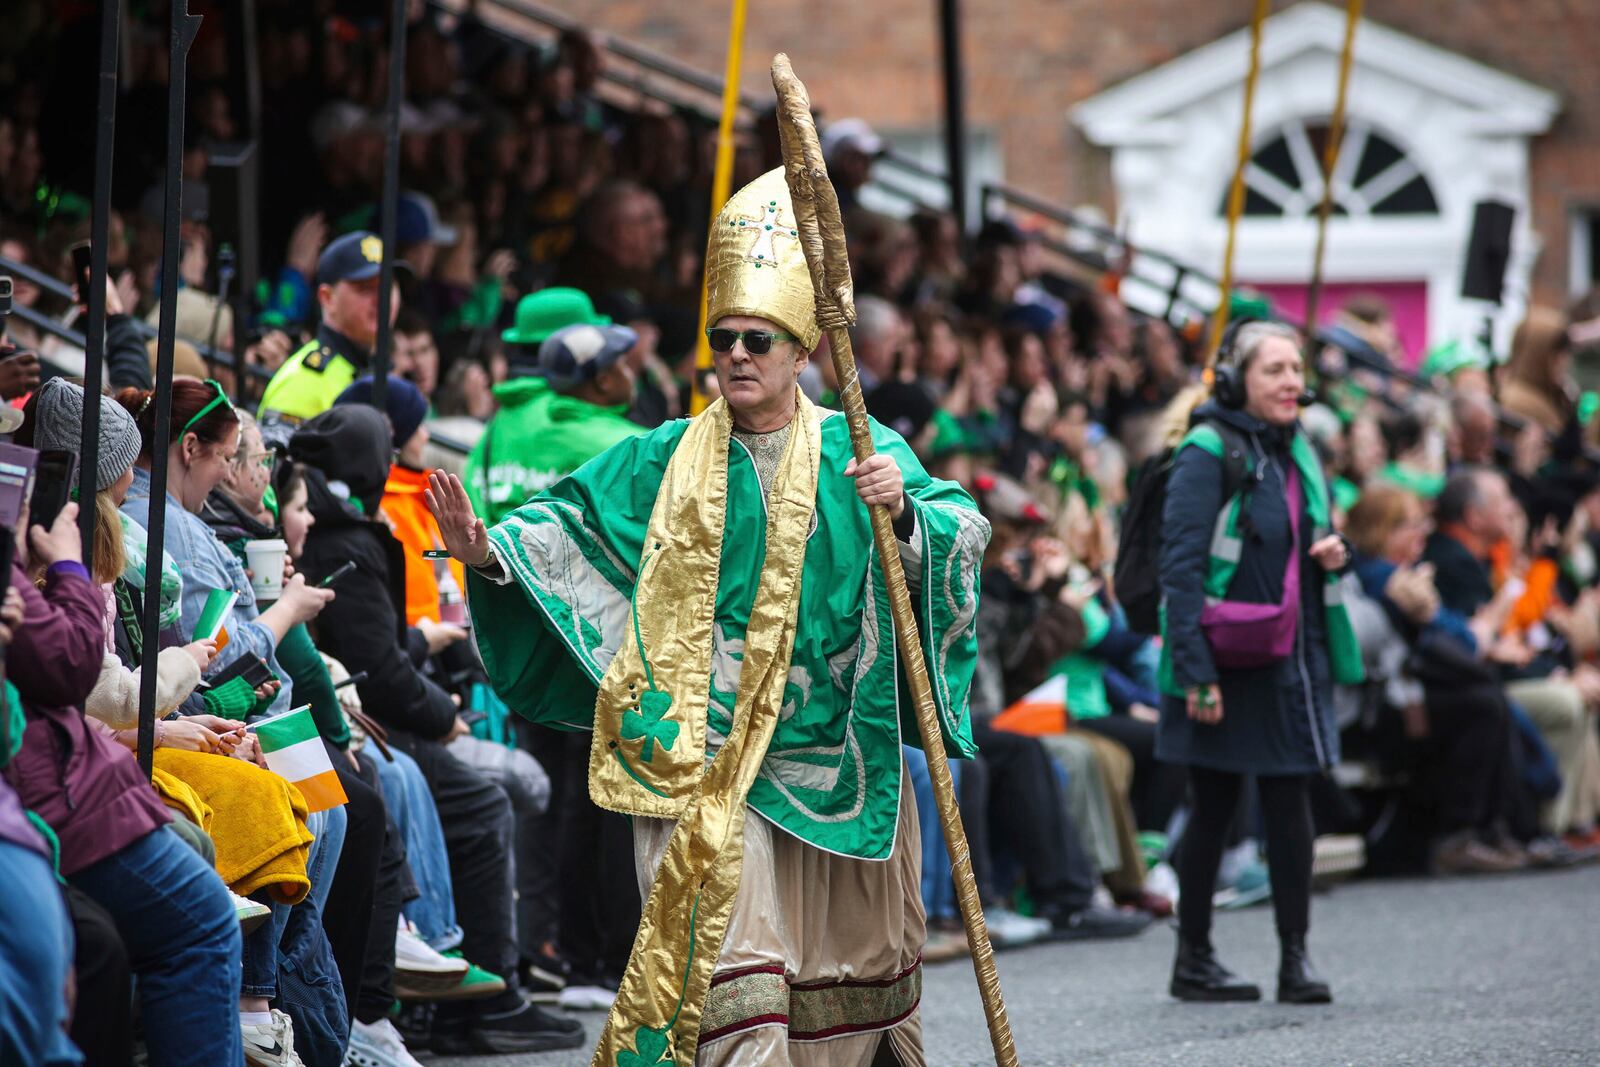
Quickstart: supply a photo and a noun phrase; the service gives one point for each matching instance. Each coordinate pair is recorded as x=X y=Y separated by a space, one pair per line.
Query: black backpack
x=1138 y=572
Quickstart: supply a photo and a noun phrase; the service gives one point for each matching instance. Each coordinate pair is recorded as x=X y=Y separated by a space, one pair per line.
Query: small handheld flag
x=1042 y=711
x=295 y=752
x=219 y=603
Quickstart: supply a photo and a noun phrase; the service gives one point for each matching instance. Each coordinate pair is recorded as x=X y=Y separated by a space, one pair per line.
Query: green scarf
x=134 y=547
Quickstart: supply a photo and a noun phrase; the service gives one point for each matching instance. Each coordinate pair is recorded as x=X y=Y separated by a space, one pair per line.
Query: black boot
x=1197 y=975
x=1298 y=983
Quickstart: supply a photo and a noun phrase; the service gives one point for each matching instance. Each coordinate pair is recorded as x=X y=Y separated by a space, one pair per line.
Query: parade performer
x=707 y=599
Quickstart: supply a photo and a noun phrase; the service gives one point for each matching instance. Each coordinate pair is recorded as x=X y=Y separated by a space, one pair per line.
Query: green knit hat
x=542 y=313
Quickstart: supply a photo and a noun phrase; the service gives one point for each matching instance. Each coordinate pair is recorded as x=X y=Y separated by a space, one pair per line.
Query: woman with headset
x=1255 y=636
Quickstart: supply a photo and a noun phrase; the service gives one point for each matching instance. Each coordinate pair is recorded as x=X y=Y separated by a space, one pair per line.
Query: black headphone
x=1227 y=377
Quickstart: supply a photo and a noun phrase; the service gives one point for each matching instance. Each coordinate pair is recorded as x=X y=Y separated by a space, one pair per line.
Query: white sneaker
x=1007 y=928
x=1162 y=880
x=422 y=970
x=377 y=1045
x=250 y=913
x=272 y=1044
x=1335 y=856
x=587 y=998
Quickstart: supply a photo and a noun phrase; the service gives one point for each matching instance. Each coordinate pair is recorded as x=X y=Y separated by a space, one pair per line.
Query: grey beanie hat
x=59 y=424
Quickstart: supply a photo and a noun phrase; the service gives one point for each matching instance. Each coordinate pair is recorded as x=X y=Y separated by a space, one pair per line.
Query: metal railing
x=58 y=288
x=515 y=19
x=220 y=357
x=1155 y=283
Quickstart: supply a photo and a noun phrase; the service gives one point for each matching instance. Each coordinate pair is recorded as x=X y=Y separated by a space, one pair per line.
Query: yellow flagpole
x=721 y=179
x=1219 y=320
x=1331 y=159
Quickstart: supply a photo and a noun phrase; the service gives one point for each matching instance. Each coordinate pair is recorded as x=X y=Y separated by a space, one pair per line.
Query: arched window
x=1373 y=176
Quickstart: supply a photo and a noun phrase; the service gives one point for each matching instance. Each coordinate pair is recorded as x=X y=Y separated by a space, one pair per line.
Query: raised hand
x=465 y=536
x=60 y=543
x=19 y=373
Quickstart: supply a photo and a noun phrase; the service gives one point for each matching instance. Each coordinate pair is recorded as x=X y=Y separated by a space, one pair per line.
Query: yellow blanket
x=257 y=820
x=180 y=796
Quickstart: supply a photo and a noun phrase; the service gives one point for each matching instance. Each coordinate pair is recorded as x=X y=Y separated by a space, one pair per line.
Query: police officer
x=347 y=290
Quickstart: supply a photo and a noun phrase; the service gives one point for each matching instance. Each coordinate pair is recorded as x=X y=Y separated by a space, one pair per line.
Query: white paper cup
x=265 y=560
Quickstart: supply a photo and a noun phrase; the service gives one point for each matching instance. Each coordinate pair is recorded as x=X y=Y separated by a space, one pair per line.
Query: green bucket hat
x=542 y=313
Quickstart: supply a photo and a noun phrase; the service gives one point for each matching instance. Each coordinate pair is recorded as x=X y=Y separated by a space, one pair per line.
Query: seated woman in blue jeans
x=171 y=909
x=204 y=439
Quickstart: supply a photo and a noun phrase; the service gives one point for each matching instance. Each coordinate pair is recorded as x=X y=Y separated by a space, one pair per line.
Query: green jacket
x=309 y=381
x=536 y=438
x=831 y=776
x=1085 y=674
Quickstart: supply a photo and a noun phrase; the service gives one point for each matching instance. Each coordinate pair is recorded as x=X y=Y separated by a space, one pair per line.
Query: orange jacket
x=415 y=529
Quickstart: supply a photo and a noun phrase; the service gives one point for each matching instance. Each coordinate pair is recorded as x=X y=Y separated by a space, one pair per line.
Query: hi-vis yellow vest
x=307 y=383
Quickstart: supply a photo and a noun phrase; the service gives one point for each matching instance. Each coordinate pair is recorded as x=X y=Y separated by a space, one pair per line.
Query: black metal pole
x=224 y=281
x=955 y=114
x=184 y=27
x=244 y=69
x=94 y=348
x=391 y=199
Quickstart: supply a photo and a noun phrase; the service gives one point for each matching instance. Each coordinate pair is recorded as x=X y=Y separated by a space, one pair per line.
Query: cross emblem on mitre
x=767 y=229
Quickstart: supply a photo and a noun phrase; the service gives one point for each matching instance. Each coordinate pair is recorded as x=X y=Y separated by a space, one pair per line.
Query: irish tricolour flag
x=1040 y=712
x=294 y=751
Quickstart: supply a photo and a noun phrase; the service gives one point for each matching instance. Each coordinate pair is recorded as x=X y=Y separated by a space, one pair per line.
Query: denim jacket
x=206 y=564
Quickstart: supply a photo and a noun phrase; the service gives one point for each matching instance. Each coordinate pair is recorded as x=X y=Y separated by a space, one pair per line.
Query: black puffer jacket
x=346 y=452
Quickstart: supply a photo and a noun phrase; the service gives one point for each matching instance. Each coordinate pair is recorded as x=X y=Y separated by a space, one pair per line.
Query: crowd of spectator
x=461 y=899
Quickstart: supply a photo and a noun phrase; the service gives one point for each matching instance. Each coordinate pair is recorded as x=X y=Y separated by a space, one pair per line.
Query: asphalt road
x=1494 y=971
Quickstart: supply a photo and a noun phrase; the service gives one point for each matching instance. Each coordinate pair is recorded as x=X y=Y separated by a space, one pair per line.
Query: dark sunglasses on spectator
x=756 y=342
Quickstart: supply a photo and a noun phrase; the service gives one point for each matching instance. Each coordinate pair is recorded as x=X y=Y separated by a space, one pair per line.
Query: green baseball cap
x=542 y=313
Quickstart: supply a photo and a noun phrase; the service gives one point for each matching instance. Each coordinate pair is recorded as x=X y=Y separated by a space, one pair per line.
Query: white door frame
x=1173 y=135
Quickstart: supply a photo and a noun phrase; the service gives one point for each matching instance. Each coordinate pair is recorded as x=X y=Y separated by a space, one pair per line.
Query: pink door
x=1409 y=300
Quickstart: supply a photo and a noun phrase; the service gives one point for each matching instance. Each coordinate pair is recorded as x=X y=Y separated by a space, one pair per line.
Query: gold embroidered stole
x=650 y=720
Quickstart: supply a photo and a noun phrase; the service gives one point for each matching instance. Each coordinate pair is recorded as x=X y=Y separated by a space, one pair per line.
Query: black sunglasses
x=756 y=342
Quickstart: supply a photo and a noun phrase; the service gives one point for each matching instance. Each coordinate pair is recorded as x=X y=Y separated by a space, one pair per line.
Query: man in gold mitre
x=707 y=600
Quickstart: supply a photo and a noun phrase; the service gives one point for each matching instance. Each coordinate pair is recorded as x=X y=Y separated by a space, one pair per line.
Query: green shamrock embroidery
x=649 y=722
x=651 y=1045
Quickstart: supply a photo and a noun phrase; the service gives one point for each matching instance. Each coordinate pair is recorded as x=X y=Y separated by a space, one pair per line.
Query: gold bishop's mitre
x=754 y=262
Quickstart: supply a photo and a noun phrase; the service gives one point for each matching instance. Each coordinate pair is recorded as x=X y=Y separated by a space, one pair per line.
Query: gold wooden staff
x=1219 y=319
x=1330 y=160
x=816 y=209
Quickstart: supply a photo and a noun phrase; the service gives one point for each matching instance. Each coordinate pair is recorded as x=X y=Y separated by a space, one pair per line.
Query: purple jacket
x=84 y=785
x=15 y=829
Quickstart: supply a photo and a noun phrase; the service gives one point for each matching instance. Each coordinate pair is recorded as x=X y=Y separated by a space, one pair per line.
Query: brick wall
x=1029 y=61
